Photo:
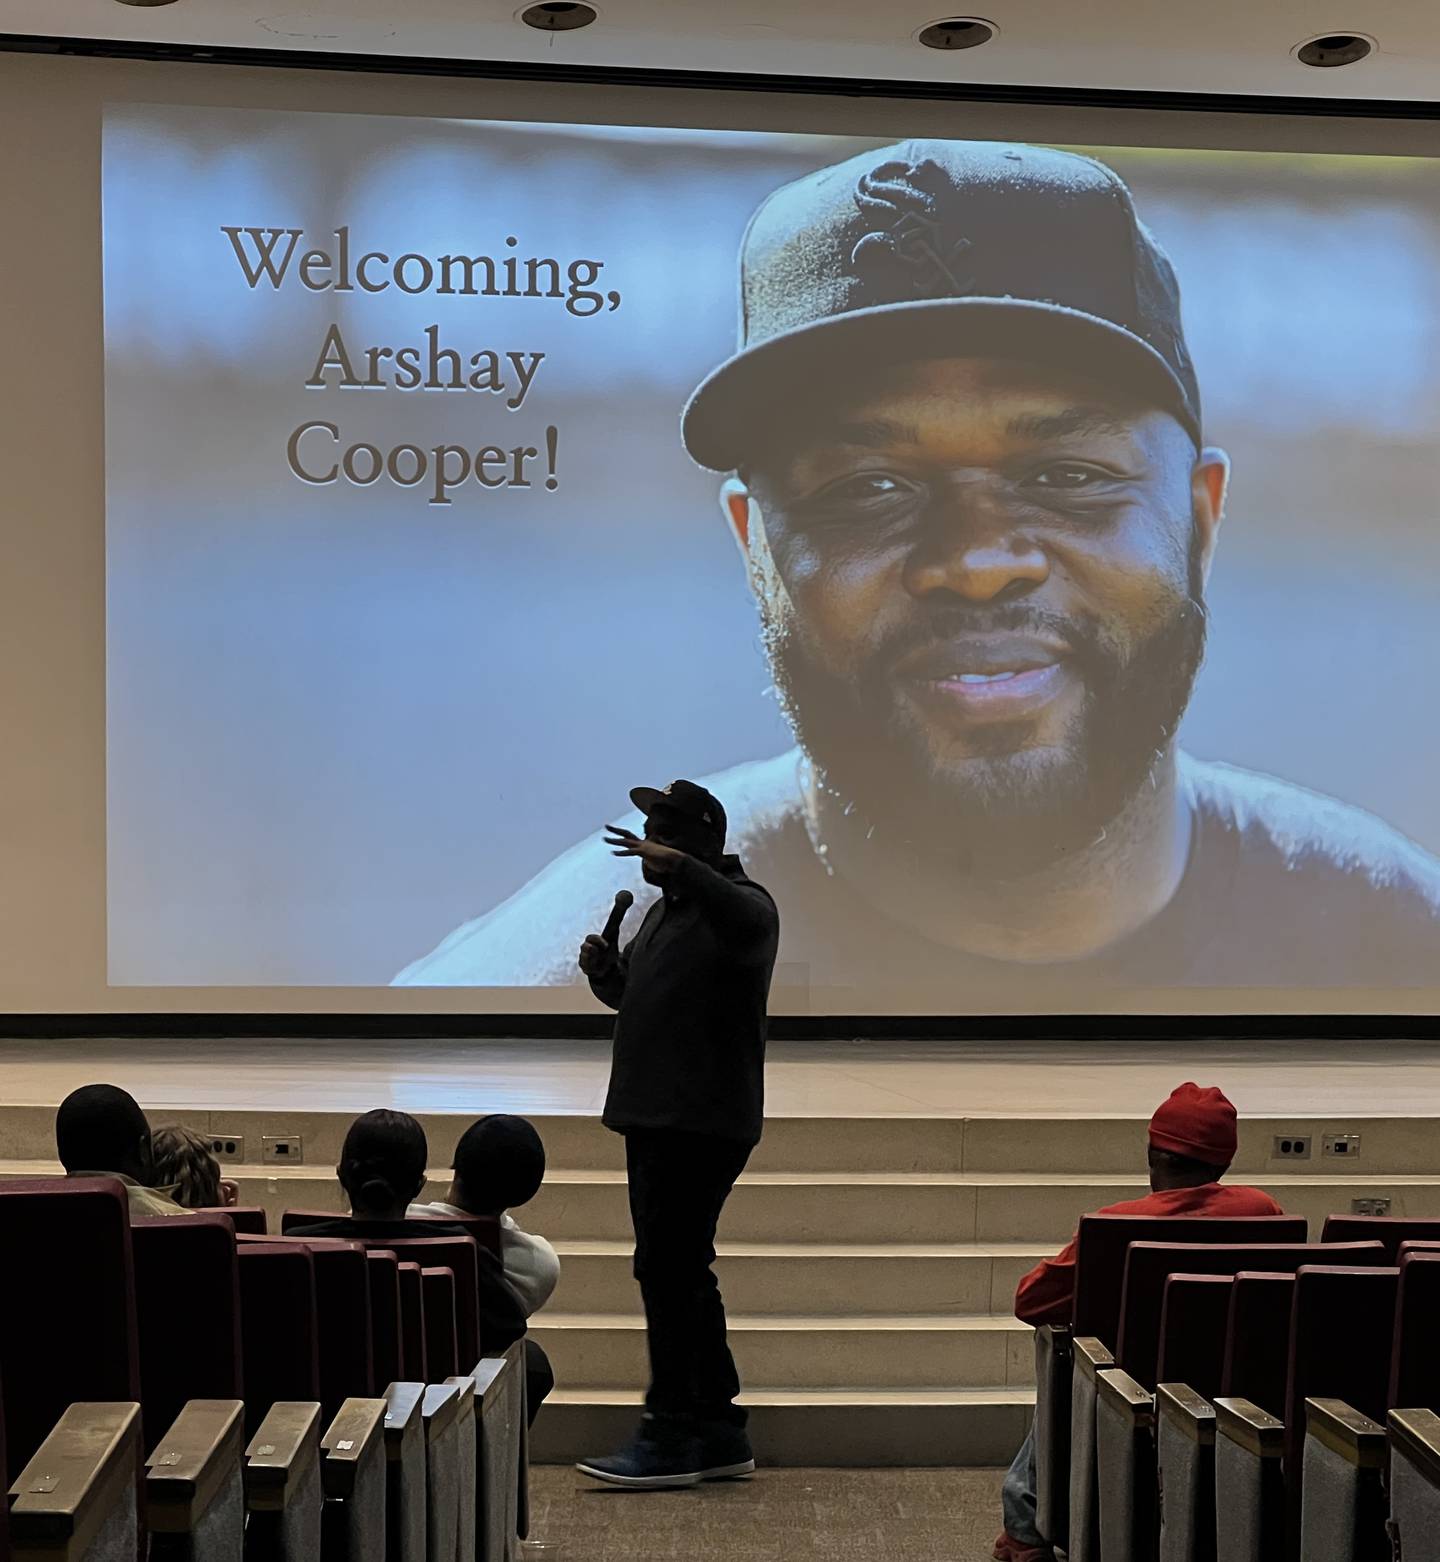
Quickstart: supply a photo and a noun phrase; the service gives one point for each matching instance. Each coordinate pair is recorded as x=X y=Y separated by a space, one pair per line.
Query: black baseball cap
x=686 y=800
x=931 y=249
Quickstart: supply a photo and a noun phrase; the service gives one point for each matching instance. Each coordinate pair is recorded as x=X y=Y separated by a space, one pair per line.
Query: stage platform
x=870 y=1254
x=804 y=1079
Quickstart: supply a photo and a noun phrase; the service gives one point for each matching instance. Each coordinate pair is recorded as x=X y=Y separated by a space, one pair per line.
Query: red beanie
x=1196 y=1122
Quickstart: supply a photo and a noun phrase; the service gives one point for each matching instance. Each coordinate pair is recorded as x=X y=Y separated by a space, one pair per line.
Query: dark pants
x=678 y=1185
x=539 y=1378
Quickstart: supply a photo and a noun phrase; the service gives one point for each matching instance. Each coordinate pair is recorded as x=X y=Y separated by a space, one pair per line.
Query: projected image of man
x=967 y=469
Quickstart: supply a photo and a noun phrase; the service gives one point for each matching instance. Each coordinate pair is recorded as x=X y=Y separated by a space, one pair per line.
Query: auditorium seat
x=1185 y=1461
x=500 y=1445
x=277 y=1281
x=1343 y=1506
x=1257 y=1340
x=248 y=1219
x=187 y=1303
x=67 y=1307
x=282 y=1484
x=342 y=1298
x=440 y=1413
x=1389 y=1230
x=1194 y=1316
x=460 y=1256
x=385 y=1344
x=352 y=1475
x=77 y=1496
x=467 y=1454
x=1066 y=1383
x=412 y=1324
x=194 y=1485
x=442 y=1356
x=1415 y=1359
x=1415 y=1484
x=405 y=1499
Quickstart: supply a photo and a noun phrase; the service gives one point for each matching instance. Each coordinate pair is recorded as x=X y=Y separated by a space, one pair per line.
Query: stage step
x=808 y=1352
x=935 y=1427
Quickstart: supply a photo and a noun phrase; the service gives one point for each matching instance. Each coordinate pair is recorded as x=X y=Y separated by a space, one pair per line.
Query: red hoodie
x=1047 y=1293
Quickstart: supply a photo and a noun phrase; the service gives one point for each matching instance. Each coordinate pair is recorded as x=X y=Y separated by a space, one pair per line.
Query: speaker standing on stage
x=687 y=1092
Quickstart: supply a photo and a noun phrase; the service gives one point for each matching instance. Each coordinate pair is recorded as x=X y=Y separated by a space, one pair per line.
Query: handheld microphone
x=623 y=902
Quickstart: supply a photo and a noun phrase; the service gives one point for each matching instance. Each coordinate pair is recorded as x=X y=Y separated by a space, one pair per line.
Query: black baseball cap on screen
x=937 y=249
x=687 y=801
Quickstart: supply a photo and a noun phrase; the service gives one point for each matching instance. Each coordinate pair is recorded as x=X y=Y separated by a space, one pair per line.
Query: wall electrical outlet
x=1377 y=1206
x=1292 y=1147
x=282 y=1147
x=1341 y=1146
x=227 y=1147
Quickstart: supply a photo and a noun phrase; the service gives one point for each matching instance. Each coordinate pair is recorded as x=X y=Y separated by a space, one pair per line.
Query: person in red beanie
x=1192 y=1143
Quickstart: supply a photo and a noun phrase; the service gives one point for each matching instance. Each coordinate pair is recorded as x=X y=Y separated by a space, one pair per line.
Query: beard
x=1003 y=809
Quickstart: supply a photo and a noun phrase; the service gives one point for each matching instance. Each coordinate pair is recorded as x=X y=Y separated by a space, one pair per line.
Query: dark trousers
x=678 y=1185
x=539 y=1378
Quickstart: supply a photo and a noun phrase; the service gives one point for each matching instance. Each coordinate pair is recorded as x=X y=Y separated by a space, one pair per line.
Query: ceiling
x=1218 y=46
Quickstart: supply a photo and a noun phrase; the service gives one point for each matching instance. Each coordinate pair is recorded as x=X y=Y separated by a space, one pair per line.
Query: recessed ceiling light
x=957 y=32
x=559 y=16
x=1332 y=49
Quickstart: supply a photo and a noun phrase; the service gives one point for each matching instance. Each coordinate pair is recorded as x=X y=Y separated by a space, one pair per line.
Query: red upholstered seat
x=383 y=1269
x=67 y=1303
x=1193 y=1320
x=1390 y=1231
x=249 y=1219
x=1149 y=1264
x=278 y=1326
x=1257 y=1340
x=1104 y=1240
x=412 y=1324
x=1341 y=1329
x=187 y=1299
x=1415 y=1353
x=442 y=1356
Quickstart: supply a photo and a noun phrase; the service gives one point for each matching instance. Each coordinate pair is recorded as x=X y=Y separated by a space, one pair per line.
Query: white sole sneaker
x=643 y=1482
x=729 y=1472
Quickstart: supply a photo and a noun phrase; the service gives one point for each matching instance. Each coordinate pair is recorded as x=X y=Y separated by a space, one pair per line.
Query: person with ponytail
x=381 y=1170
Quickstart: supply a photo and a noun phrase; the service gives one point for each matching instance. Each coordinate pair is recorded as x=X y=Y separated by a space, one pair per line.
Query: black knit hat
x=932 y=249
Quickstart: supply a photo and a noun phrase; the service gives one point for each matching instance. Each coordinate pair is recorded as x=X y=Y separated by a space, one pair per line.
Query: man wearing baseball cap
x=1192 y=1143
x=962 y=450
x=687 y=1090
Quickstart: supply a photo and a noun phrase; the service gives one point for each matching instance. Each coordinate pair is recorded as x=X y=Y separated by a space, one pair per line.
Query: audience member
x=1193 y=1139
x=100 y=1131
x=186 y=1170
x=382 y=1169
x=499 y=1166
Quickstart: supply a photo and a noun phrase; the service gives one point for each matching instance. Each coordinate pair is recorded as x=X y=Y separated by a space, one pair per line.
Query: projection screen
x=1021 y=519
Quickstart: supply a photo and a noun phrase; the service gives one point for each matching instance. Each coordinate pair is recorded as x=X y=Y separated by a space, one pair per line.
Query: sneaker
x=1010 y=1550
x=656 y=1459
x=725 y=1452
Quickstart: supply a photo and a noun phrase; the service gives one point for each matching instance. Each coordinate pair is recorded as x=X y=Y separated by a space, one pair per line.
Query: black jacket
x=691 y=989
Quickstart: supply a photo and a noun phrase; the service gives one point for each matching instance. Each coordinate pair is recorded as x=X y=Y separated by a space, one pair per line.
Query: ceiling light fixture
x=559 y=16
x=146 y=2
x=1332 y=49
x=957 y=32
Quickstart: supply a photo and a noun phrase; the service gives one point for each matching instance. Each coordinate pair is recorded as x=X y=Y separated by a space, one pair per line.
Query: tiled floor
x=805 y=1079
x=780 y=1516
